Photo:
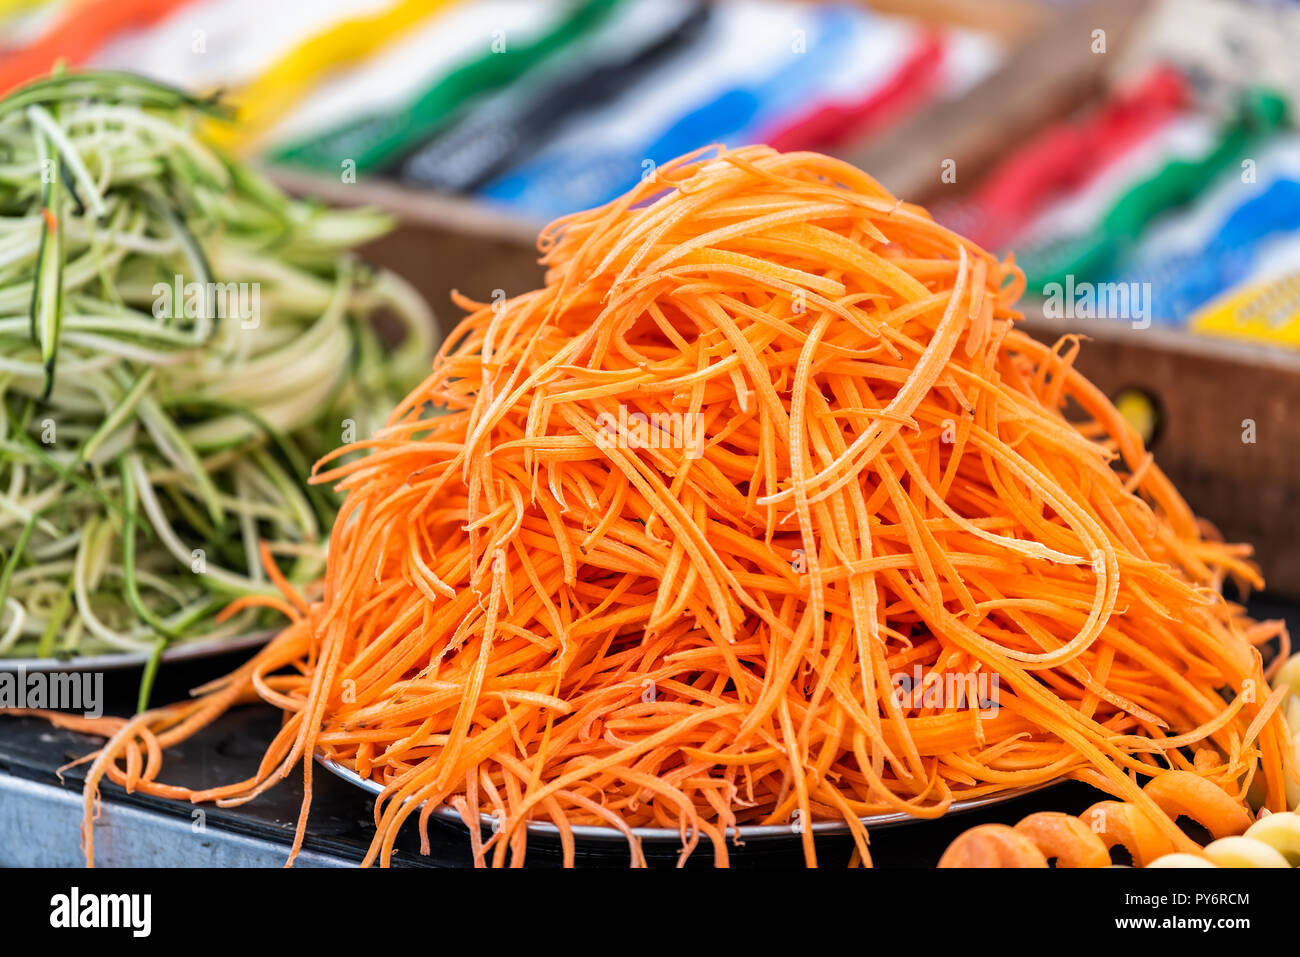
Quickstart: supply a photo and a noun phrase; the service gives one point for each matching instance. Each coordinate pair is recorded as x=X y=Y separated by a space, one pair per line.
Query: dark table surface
x=341 y=823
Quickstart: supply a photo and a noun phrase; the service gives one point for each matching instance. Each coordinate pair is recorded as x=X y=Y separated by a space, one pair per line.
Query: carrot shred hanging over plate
x=666 y=541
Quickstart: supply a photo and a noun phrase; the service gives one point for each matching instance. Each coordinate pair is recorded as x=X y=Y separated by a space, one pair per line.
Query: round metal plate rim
x=658 y=834
x=200 y=648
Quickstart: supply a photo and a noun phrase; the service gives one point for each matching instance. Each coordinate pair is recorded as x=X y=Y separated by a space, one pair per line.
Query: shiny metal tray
x=120 y=660
x=746 y=832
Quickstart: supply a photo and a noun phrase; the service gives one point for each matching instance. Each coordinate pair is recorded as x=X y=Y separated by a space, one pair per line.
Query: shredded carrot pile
x=653 y=543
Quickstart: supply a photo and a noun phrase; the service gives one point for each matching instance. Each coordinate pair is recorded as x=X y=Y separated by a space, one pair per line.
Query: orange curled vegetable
x=993 y=845
x=657 y=544
x=1087 y=840
x=1065 y=838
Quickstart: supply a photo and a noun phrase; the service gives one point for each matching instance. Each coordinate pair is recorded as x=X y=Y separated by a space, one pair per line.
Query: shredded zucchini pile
x=150 y=439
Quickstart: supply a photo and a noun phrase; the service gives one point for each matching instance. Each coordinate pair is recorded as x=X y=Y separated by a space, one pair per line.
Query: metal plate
x=751 y=832
x=121 y=660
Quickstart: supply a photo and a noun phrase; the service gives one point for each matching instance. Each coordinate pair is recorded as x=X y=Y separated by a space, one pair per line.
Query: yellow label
x=1266 y=312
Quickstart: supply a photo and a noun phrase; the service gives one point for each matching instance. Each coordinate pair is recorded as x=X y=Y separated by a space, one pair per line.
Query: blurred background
x=1138 y=157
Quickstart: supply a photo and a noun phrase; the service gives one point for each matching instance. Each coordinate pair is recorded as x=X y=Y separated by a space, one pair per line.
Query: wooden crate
x=1212 y=397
